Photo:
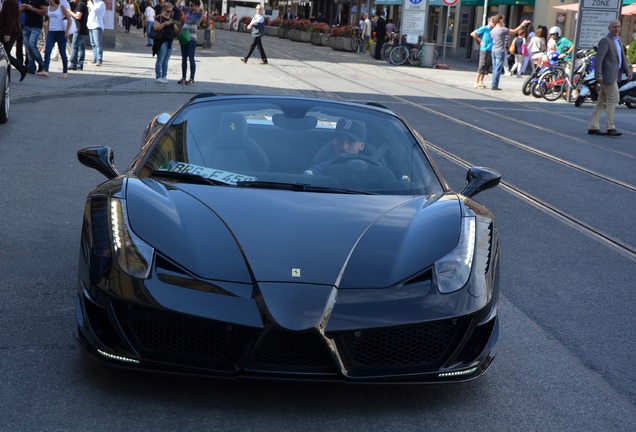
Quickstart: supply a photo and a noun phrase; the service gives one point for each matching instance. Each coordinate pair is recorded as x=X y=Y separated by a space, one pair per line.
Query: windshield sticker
x=211 y=173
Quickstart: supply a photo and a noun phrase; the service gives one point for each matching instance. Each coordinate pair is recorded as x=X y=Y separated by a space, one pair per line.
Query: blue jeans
x=31 y=36
x=78 y=51
x=163 y=55
x=52 y=38
x=96 y=43
x=148 y=28
x=498 y=58
x=187 y=53
x=364 y=40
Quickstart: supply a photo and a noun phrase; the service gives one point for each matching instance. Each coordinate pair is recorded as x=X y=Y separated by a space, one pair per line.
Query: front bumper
x=367 y=336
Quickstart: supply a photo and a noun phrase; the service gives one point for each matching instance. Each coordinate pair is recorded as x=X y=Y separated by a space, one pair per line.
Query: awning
x=629 y=9
x=481 y=2
x=574 y=7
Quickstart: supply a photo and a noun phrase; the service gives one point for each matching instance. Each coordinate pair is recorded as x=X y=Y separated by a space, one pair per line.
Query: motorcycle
x=626 y=91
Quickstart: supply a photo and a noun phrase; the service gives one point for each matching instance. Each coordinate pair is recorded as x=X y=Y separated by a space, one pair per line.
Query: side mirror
x=157 y=123
x=100 y=158
x=479 y=179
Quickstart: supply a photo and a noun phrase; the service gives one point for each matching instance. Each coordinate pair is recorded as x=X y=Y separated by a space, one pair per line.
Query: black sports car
x=5 y=86
x=287 y=238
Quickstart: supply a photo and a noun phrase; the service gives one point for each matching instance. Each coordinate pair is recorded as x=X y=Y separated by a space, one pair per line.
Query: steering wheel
x=346 y=157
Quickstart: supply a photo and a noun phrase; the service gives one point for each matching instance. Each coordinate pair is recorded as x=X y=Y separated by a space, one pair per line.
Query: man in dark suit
x=288 y=15
x=610 y=62
x=380 y=34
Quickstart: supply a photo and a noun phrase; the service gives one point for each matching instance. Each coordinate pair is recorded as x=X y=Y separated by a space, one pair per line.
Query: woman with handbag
x=519 y=44
x=188 y=38
x=162 y=42
x=58 y=34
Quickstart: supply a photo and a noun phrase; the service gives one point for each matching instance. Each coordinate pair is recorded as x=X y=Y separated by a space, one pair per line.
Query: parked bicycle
x=399 y=54
x=386 y=48
x=357 y=39
x=557 y=82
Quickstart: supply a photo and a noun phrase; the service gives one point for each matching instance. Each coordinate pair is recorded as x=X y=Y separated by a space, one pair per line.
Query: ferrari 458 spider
x=288 y=238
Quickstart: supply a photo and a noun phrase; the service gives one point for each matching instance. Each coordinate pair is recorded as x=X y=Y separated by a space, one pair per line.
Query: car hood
x=251 y=235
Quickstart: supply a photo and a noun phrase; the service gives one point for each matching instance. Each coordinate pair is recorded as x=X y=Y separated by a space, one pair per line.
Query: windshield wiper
x=300 y=187
x=187 y=177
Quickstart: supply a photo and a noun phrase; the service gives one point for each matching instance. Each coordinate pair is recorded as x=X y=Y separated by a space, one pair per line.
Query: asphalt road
x=566 y=348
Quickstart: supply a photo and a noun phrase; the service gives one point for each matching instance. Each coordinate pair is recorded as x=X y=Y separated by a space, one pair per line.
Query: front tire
x=551 y=86
x=579 y=101
x=527 y=84
x=631 y=105
x=399 y=55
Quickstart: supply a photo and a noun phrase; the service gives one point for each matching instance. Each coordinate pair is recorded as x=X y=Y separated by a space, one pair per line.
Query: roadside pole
x=448 y=4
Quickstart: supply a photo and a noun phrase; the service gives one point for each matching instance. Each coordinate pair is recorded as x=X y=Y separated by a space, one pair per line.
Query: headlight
x=133 y=254
x=453 y=270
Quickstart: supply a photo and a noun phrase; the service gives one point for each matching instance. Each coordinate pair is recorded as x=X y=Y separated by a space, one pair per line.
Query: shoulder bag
x=184 y=36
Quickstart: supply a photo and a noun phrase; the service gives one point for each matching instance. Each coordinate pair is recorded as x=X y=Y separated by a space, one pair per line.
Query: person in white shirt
x=95 y=24
x=58 y=34
x=149 y=19
x=257 y=25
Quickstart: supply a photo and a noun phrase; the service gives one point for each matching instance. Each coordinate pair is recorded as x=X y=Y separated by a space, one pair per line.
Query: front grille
x=420 y=345
x=175 y=337
x=292 y=352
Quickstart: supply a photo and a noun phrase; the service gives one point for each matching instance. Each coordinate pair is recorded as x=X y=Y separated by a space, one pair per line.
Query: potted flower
x=205 y=26
x=271 y=26
x=221 y=22
x=285 y=26
x=302 y=27
x=319 y=33
x=343 y=38
x=243 y=23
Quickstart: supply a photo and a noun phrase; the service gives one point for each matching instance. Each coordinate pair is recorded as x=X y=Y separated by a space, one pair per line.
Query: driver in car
x=349 y=139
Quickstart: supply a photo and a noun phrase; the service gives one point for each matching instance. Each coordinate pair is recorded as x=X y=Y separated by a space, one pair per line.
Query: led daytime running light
x=457 y=373
x=116 y=357
x=453 y=271
x=133 y=254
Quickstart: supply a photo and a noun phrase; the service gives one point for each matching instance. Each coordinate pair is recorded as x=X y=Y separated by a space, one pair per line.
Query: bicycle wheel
x=355 y=45
x=577 y=82
x=414 y=56
x=551 y=85
x=384 y=51
x=525 y=89
x=41 y=42
x=535 y=89
x=399 y=55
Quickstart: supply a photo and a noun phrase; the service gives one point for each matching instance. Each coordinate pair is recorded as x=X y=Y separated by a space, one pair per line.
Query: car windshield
x=307 y=145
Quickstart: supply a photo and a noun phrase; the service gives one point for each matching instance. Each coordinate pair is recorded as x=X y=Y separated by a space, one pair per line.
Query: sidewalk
x=130 y=68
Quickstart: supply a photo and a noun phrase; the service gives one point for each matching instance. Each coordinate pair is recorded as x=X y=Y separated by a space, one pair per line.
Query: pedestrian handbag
x=184 y=37
x=154 y=34
x=513 y=47
x=524 y=50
